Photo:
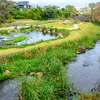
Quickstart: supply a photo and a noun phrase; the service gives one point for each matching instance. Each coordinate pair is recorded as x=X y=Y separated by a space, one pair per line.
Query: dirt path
x=13 y=27
x=75 y=27
x=15 y=50
x=44 y=44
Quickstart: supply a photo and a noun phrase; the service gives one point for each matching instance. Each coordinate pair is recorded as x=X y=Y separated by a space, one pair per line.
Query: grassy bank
x=48 y=59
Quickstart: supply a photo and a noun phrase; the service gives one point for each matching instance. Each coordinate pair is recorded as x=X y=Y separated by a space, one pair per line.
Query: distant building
x=56 y=7
x=43 y=8
x=23 y=4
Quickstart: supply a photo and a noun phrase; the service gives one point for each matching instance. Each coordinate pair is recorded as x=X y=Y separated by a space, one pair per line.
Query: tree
x=50 y=12
x=5 y=7
x=85 y=11
x=97 y=11
x=69 y=8
x=92 y=10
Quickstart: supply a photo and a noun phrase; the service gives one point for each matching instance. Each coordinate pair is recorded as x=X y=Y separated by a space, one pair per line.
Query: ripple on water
x=85 y=71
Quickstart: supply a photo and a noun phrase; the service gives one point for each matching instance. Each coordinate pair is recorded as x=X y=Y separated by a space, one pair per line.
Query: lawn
x=59 y=24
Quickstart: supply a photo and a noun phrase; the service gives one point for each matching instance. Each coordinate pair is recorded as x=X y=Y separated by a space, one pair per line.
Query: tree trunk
x=0 y=21
x=4 y=20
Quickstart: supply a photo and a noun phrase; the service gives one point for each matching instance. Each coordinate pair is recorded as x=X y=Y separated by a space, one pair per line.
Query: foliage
x=39 y=14
x=92 y=10
x=5 y=7
x=17 y=39
x=95 y=96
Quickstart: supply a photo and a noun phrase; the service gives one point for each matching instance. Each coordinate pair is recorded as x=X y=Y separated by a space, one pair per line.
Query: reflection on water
x=35 y=37
x=85 y=71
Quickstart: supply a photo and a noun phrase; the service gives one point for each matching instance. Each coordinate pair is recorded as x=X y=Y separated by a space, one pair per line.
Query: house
x=23 y=4
x=56 y=7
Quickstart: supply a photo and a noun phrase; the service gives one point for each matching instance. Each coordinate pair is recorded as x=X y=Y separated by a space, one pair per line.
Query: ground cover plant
x=59 y=24
x=17 y=39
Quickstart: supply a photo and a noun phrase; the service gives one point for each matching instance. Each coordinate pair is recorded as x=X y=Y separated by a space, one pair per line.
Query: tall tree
x=70 y=8
x=5 y=7
x=92 y=10
x=85 y=11
x=97 y=10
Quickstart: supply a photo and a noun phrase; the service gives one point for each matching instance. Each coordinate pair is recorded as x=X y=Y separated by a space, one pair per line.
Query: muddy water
x=85 y=71
x=9 y=90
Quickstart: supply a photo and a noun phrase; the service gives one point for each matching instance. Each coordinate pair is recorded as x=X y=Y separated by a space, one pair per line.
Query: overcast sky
x=61 y=3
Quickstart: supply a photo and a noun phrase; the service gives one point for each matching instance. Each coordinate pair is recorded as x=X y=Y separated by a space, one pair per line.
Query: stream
x=84 y=72
x=9 y=89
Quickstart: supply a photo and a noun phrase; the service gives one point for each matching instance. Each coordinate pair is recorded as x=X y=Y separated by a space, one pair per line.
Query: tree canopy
x=5 y=7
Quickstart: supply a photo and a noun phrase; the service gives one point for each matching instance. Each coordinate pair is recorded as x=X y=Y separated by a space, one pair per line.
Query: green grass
x=49 y=60
x=17 y=39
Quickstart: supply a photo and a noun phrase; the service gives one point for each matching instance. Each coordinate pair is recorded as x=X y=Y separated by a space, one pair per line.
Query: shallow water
x=9 y=90
x=85 y=71
x=34 y=37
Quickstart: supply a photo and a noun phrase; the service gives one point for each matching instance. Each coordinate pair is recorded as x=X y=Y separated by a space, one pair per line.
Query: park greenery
x=11 y=12
x=47 y=60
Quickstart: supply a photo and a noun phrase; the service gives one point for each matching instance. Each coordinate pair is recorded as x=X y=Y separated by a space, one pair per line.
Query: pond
x=31 y=37
x=85 y=71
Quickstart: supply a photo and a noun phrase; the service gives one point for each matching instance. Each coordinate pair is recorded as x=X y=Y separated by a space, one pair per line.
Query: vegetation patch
x=17 y=39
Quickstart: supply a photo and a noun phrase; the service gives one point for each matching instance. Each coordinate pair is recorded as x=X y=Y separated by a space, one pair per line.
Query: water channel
x=85 y=71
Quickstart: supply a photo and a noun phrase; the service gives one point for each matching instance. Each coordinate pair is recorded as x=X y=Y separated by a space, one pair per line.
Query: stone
x=44 y=31
x=39 y=74
x=82 y=49
x=56 y=33
x=32 y=73
x=7 y=72
x=26 y=27
x=53 y=31
x=79 y=29
x=20 y=97
x=40 y=30
x=60 y=35
x=37 y=29
x=65 y=23
x=48 y=32
x=77 y=52
x=8 y=31
x=34 y=26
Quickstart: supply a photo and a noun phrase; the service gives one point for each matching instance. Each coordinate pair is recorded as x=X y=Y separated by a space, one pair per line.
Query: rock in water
x=82 y=49
x=77 y=52
x=53 y=31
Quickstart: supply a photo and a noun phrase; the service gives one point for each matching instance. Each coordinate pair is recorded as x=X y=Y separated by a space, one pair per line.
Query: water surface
x=85 y=71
